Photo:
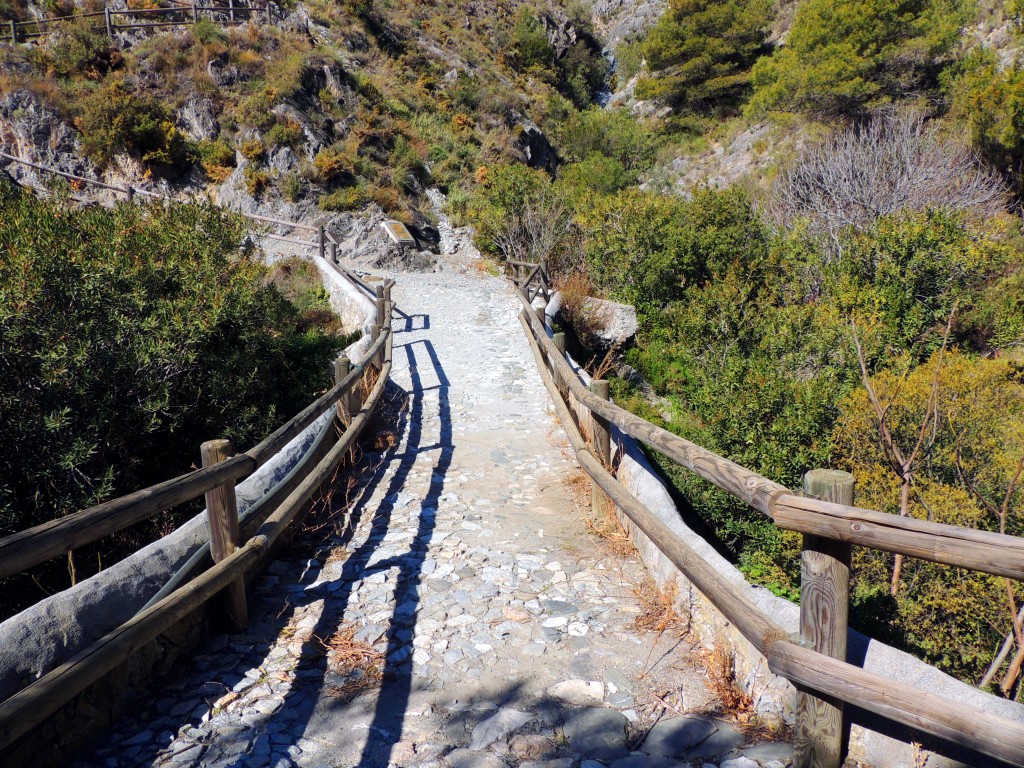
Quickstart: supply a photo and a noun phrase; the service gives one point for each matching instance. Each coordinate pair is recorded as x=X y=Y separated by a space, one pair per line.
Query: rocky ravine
x=458 y=613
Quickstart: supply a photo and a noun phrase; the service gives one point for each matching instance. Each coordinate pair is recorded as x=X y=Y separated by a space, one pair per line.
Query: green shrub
x=612 y=133
x=347 y=199
x=130 y=336
x=112 y=119
x=333 y=163
x=700 y=52
x=216 y=152
x=80 y=50
x=256 y=180
x=990 y=100
x=286 y=134
x=841 y=58
x=253 y=150
x=206 y=32
x=291 y=187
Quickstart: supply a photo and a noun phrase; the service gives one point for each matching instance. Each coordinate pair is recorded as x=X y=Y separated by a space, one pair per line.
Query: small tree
x=700 y=52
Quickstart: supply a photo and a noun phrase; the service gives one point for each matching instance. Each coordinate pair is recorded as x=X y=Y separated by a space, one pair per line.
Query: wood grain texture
x=222 y=518
x=824 y=619
x=954 y=721
x=35 y=545
x=983 y=551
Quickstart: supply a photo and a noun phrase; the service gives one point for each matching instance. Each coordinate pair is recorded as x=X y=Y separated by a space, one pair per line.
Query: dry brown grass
x=358 y=662
x=720 y=679
x=657 y=608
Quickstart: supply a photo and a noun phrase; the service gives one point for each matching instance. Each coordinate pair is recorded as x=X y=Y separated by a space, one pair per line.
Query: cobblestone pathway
x=459 y=615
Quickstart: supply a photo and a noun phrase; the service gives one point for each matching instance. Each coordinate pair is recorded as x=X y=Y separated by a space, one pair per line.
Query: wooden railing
x=177 y=15
x=233 y=559
x=827 y=680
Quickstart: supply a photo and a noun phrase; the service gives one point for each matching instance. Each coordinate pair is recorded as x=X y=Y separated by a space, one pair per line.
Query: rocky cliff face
x=618 y=19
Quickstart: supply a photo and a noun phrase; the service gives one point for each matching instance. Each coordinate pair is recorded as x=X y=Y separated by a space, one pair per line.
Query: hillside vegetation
x=859 y=305
x=811 y=205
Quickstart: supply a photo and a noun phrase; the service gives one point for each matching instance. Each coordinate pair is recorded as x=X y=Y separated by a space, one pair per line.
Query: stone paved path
x=503 y=628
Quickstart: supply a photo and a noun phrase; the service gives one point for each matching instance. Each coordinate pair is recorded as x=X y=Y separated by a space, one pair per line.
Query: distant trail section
x=450 y=608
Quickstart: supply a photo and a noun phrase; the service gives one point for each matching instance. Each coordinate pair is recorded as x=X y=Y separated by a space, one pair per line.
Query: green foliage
x=347 y=199
x=842 y=57
x=206 y=32
x=256 y=180
x=505 y=194
x=216 y=152
x=990 y=100
x=113 y=119
x=949 y=617
x=129 y=336
x=595 y=175
x=529 y=44
x=612 y=133
x=904 y=276
x=291 y=187
x=286 y=134
x=701 y=52
x=82 y=51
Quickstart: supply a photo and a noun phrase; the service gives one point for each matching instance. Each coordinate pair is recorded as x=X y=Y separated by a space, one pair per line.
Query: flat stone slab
x=596 y=732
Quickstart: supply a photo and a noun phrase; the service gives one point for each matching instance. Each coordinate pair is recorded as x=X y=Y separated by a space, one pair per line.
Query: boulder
x=198 y=119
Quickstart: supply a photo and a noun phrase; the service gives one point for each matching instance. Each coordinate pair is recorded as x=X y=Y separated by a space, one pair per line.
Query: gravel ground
x=449 y=608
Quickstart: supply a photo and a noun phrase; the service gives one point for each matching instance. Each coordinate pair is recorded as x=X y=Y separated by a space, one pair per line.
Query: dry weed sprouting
x=720 y=679
x=359 y=663
x=657 y=608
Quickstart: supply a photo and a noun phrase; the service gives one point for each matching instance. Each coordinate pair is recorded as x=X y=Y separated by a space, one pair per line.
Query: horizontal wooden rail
x=292 y=240
x=983 y=551
x=956 y=722
x=32 y=546
x=32 y=705
x=750 y=487
x=25 y=549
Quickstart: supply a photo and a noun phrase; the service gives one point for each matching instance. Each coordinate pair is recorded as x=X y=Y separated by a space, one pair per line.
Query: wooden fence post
x=334 y=251
x=108 y=23
x=231 y=11
x=222 y=514
x=321 y=239
x=559 y=339
x=14 y=32
x=381 y=319
x=601 y=442
x=195 y=13
x=821 y=739
x=342 y=367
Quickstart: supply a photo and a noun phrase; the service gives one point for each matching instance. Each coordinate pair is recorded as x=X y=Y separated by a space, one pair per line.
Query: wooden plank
x=956 y=722
x=726 y=596
x=749 y=487
x=600 y=504
x=824 y=620
x=984 y=551
x=30 y=547
x=222 y=518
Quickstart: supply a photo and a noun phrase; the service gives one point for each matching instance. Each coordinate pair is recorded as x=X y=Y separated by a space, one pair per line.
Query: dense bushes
x=114 y=119
x=701 y=52
x=840 y=58
x=127 y=338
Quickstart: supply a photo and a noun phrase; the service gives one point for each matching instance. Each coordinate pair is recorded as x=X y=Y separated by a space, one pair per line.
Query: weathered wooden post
x=195 y=12
x=381 y=318
x=321 y=239
x=824 y=614
x=231 y=11
x=14 y=32
x=601 y=443
x=222 y=515
x=342 y=368
x=334 y=251
x=108 y=23
x=559 y=339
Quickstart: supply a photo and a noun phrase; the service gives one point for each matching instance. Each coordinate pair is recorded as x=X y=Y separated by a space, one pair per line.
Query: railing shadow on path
x=306 y=707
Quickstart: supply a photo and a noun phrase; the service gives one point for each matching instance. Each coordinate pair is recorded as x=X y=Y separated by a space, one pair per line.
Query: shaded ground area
x=449 y=607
